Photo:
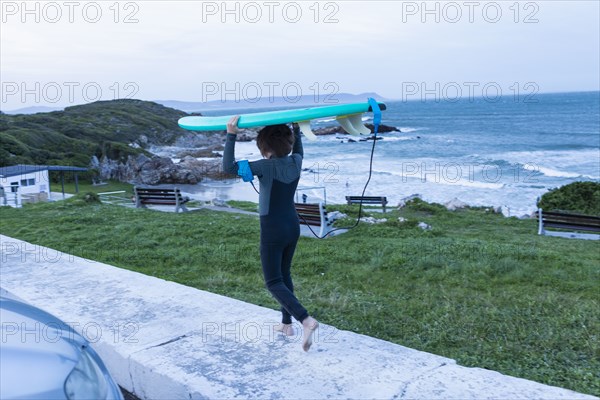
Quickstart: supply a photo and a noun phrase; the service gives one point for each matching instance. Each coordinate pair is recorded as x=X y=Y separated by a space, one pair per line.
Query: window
x=14 y=186
x=28 y=182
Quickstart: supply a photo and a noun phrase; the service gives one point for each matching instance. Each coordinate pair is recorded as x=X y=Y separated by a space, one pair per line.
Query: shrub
x=578 y=197
x=420 y=205
x=83 y=199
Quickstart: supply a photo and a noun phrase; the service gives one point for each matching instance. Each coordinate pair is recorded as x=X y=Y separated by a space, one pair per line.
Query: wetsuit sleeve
x=229 y=164
x=258 y=168
x=298 y=149
x=231 y=167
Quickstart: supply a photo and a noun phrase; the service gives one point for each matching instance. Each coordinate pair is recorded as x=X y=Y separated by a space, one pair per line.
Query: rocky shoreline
x=198 y=154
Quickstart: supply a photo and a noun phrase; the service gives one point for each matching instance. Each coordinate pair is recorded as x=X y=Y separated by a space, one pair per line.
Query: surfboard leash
x=376 y=122
x=246 y=174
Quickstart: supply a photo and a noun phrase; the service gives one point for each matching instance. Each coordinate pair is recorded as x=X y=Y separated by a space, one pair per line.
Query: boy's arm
x=297 y=149
x=229 y=164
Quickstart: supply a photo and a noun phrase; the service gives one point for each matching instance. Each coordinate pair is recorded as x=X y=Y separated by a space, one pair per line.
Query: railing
x=12 y=199
x=304 y=188
x=118 y=198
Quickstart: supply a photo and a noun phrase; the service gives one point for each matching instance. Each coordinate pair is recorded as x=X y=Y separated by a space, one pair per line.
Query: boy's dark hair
x=276 y=139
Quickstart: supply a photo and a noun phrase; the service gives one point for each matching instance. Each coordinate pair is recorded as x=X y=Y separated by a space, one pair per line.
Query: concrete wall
x=164 y=340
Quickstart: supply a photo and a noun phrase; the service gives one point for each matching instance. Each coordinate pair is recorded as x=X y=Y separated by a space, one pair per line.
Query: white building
x=31 y=183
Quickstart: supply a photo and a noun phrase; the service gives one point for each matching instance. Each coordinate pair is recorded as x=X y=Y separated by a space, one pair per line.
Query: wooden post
x=76 y=182
x=49 y=186
x=62 y=182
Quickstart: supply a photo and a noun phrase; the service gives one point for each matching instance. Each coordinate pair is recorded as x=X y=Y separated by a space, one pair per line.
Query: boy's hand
x=232 y=125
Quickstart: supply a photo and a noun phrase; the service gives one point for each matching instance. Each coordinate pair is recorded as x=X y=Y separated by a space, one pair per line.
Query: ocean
x=503 y=153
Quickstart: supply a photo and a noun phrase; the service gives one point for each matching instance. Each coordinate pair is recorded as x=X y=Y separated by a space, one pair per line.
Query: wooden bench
x=162 y=197
x=568 y=223
x=367 y=200
x=314 y=215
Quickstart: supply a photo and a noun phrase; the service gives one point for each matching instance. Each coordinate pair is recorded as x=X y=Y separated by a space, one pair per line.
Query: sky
x=63 y=53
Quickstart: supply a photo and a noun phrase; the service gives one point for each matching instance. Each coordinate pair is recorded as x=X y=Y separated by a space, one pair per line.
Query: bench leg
x=180 y=206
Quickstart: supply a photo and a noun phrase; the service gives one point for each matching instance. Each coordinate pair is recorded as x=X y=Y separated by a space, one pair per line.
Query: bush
x=577 y=197
x=83 y=199
x=420 y=205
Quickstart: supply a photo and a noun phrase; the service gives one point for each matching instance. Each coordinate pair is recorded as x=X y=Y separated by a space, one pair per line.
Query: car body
x=41 y=357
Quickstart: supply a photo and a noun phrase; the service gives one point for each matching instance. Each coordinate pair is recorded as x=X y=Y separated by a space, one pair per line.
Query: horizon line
x=258 y=105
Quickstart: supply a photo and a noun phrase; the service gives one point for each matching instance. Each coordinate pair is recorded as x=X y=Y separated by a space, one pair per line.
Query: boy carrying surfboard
x=278 y=173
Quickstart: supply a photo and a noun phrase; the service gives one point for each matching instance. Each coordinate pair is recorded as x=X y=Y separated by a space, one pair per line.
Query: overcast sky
x=61 y=53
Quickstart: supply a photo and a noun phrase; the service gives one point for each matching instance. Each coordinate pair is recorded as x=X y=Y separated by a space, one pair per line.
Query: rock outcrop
x=188 y=146
x=210 y=151
x=455 y=204
x=337 y=129
x=155 y=170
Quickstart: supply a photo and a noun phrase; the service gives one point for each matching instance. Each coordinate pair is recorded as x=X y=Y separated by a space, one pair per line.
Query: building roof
x=23 y=169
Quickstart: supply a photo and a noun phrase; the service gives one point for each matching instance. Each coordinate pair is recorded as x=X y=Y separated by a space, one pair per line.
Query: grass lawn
x=86 y=187
x=480 y=288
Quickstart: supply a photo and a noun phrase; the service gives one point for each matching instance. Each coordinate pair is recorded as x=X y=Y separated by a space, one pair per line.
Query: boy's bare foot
x=286 y=329
x=309 y=326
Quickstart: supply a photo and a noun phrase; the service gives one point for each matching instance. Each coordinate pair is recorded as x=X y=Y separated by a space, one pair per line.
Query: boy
x=278 y=174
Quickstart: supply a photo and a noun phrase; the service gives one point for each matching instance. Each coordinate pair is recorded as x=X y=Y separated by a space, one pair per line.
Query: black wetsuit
x=279 y=225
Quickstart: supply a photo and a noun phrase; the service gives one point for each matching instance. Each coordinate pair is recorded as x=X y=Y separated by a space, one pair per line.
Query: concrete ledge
x=165 y=340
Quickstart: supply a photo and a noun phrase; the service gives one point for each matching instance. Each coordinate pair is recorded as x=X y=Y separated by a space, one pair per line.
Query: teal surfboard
x=349 y=117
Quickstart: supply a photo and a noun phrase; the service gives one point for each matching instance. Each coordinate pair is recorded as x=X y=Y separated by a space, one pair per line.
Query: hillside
x=73 y=136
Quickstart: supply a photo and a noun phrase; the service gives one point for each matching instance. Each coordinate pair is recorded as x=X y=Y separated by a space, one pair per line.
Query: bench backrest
x=569 y=221
x=311 y=214
x=367 y=199
x=160 y=196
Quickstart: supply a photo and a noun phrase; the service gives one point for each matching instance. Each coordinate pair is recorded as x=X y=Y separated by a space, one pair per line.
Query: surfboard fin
x=347 y=125
x=353 y=124
x=305 y=128
x=356 y=121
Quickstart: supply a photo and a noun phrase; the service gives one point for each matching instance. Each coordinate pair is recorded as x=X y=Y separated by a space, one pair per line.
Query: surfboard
x=349 y=116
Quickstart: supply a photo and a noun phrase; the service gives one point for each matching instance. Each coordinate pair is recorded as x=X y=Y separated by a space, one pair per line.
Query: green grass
x=86 y=186
x=244 y=205
x=480 y=288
